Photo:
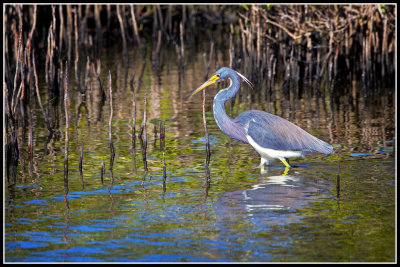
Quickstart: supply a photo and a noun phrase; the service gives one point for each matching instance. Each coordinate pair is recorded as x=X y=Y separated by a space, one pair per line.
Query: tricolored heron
x=271 y=136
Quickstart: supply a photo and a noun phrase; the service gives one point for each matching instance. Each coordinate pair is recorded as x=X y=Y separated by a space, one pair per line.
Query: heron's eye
x=218 y=75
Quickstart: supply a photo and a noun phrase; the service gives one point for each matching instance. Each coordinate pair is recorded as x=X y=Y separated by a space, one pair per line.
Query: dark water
x=326 y=209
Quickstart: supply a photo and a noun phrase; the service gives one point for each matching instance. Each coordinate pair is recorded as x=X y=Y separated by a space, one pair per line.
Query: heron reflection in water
x=271 y=136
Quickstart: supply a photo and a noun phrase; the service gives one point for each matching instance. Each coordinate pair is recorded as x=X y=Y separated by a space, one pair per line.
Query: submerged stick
x=155 y=135
x=164 y=172
x=143 y=140
x=207 y=183
x=143 y=143
x=162 y=135
x=30 y=148
x=208 y=156
x=110 y=123
x=134 y=130
x=133 y=116
x=111 y=181
x=144 y=178
x=143 y=126
x=102 y=170
x=30 y=142
x=338 y=183
x=81 y=165
x=144 y=156
x=66 y=129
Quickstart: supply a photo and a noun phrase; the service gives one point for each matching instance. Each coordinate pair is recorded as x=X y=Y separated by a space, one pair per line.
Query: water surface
x=326 y=209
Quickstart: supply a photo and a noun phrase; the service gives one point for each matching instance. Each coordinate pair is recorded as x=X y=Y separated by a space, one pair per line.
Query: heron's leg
x=285 y=162
x=263 y=161
x=286 y=171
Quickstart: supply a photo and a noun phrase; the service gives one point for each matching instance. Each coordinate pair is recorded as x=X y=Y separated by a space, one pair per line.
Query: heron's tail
x=324 y=147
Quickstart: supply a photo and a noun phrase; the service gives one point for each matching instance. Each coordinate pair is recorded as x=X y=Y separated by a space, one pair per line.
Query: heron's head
x=220 y=75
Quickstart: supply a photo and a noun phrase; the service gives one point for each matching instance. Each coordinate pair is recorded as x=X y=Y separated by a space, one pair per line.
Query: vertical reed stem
x=134 y=130
x=81 y=166
x=110 y=122
x=103 y=169
x=162 y=135
x=208 y=156
x=164 y=172
x=66 y=129
x=143 y=132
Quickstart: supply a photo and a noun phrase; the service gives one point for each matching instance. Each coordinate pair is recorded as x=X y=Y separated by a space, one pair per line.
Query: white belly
x=273 y=153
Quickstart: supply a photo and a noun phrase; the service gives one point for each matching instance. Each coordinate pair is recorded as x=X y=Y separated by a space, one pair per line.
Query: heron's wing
x=274 y=132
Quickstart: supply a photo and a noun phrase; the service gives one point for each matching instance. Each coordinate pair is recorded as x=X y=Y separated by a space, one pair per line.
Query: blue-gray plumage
x=271 y=136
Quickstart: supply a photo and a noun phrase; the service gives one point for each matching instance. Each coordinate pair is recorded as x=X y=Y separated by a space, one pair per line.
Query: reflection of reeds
x=136 y=32
x=96 y=71
x=38 y=93
x=77 y=71
x=122 y=25
x=87 y=73
x=156 y=55
x=309 y=48
x=210 y=57
x=53 y=57
x=11 y=141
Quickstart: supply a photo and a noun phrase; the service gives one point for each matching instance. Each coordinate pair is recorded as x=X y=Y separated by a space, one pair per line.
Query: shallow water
x=326 y=209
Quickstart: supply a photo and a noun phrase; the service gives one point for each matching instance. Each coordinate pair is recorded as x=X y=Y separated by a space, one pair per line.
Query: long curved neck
x=226 y=123
x=223 y=96
x=230 y=92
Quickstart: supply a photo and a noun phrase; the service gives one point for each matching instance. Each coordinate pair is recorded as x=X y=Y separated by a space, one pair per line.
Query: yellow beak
x=212 y=80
